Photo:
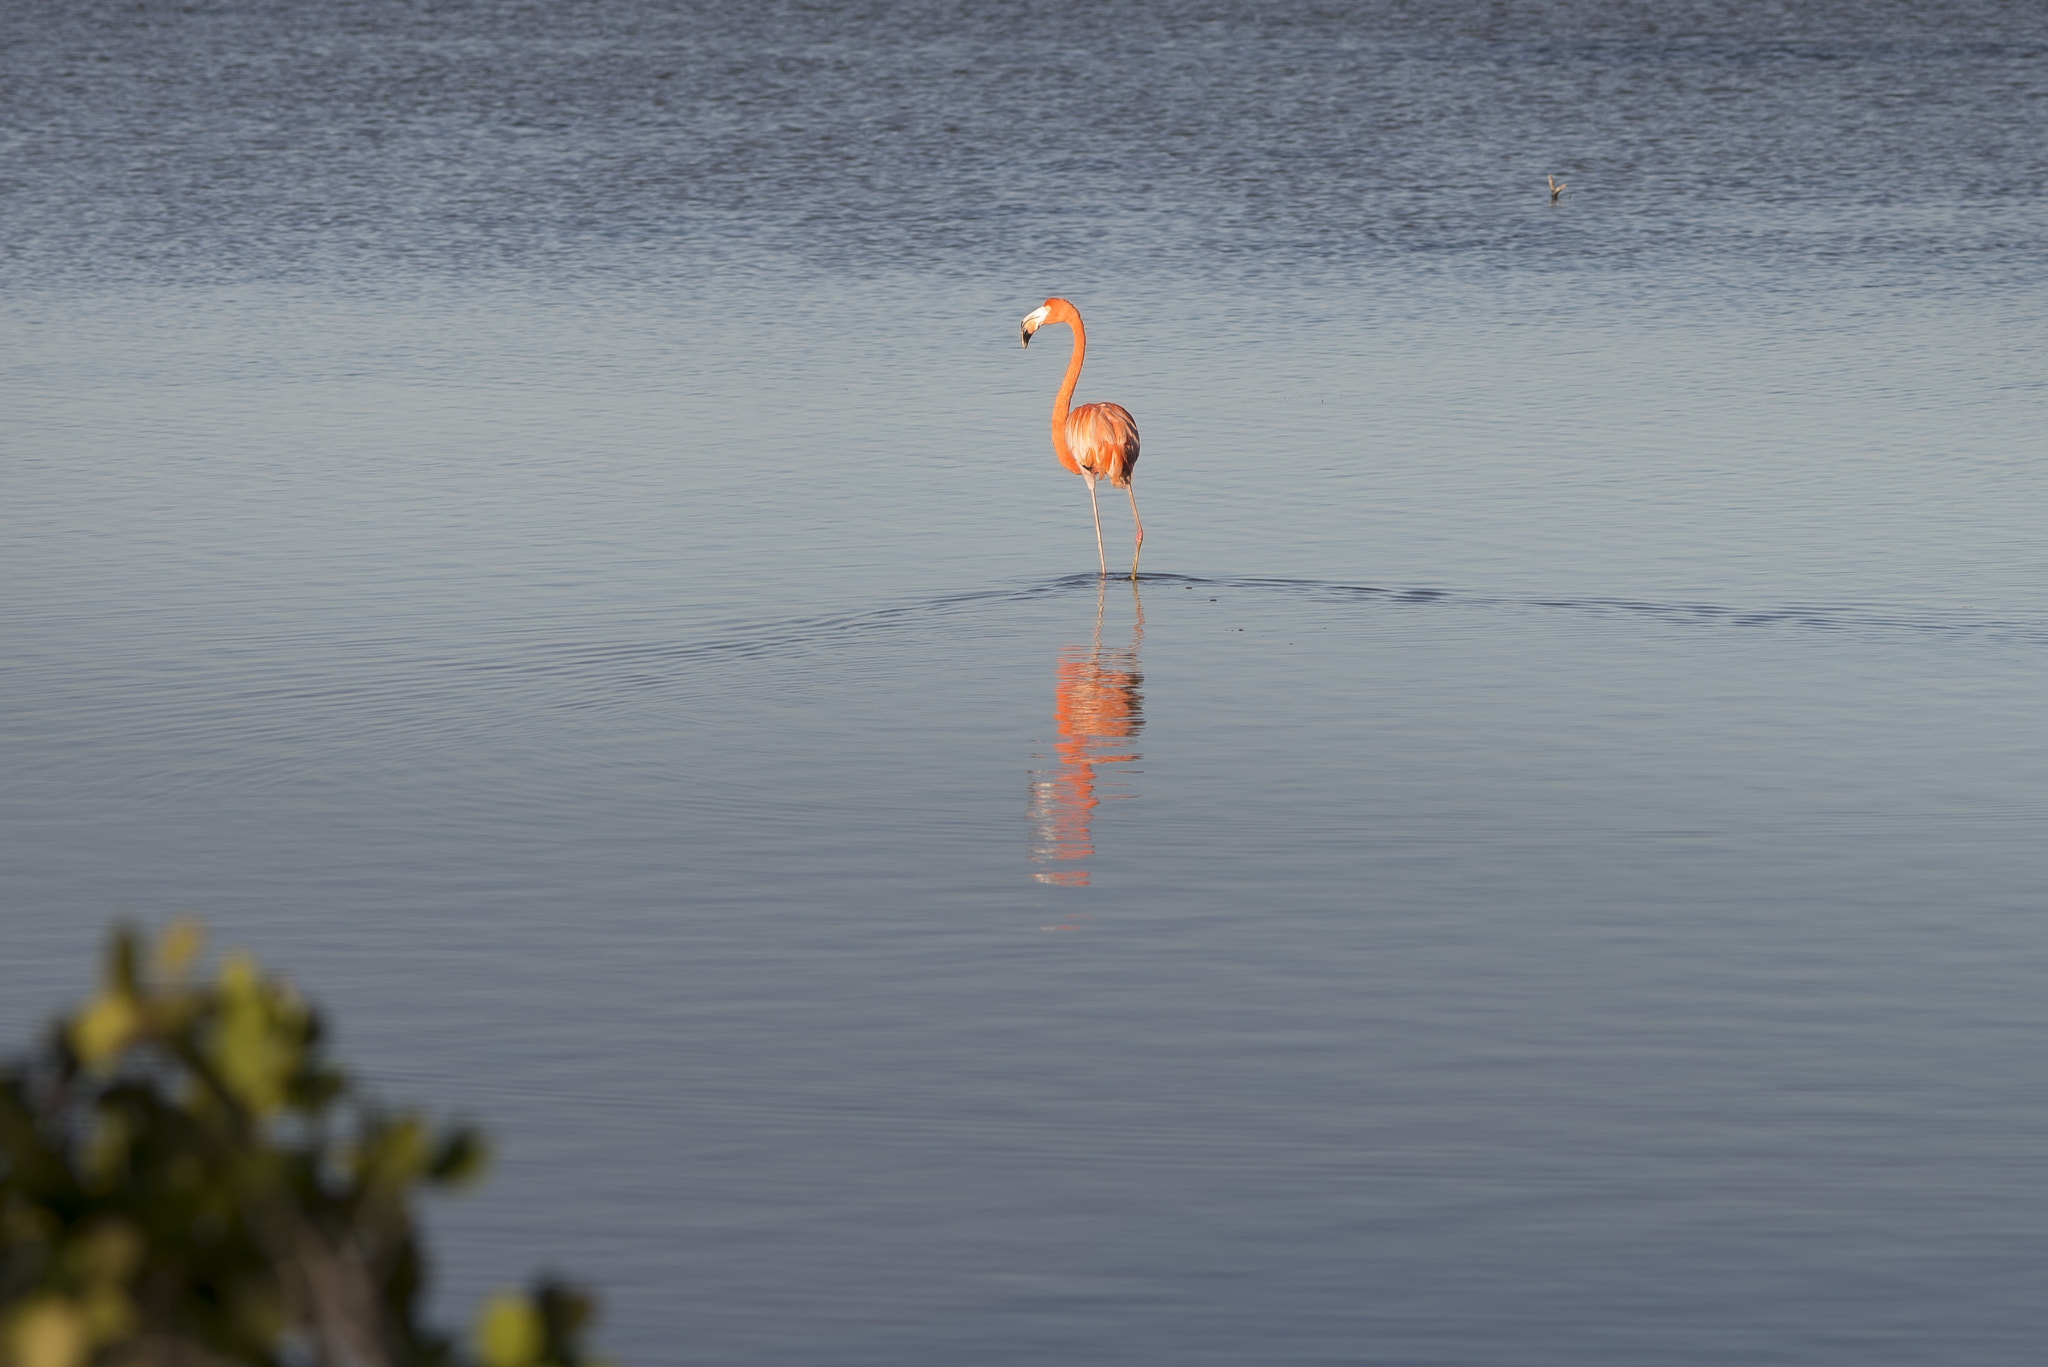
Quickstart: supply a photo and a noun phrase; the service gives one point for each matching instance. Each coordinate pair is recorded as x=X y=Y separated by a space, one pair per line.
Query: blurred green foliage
x=186 y=1180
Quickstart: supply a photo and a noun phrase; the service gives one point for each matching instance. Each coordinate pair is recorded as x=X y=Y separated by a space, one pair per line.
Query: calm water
x=533 y=517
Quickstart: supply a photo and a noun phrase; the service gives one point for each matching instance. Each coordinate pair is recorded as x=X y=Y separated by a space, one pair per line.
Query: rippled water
x=534 y=518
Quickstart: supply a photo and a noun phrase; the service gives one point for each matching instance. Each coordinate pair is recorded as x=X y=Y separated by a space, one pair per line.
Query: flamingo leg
x=1093 y=508
x=1140 y=547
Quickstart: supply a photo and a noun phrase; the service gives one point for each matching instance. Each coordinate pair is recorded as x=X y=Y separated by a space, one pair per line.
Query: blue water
x=533 y=518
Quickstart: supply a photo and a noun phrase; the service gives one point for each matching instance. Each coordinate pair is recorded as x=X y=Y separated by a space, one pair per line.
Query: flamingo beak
x=1031 y=323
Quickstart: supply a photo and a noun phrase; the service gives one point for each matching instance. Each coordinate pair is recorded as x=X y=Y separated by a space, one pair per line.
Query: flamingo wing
x=1104 y=440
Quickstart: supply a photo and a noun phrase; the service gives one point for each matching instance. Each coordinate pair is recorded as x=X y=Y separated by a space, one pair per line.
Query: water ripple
x=637 y=664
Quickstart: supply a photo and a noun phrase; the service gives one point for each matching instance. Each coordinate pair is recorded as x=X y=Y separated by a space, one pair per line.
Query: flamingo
x=1096 y=440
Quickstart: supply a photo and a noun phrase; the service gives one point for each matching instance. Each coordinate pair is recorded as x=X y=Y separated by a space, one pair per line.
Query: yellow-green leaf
x=509 y=1332
x=112 y=1251
x=179 y=945
x=104 y=1028
x=46 y=1332
x=238 y=975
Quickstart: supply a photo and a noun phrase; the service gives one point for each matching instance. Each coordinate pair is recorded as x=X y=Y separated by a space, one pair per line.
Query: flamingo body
x=1096 y=440
x=1102 y=439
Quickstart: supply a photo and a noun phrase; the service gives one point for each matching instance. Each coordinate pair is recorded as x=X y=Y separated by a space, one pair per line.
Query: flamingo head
x=1033 y=321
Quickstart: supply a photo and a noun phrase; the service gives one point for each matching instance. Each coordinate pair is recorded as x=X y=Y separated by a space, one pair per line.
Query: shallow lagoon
x=1561 y=848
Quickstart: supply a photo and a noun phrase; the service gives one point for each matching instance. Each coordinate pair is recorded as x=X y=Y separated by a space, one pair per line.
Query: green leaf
x=178 y=946
x=509 y=1332
x=104 y=1029
x=46 y=1331
x=462 y=1157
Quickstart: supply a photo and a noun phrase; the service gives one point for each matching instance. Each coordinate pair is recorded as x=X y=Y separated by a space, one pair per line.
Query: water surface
x=534 y=519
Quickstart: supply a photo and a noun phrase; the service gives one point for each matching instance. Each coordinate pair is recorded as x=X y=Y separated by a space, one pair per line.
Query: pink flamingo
x=1096 y=440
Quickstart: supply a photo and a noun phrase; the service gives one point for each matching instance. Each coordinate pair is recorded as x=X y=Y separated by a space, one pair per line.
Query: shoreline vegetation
x=188 y=1180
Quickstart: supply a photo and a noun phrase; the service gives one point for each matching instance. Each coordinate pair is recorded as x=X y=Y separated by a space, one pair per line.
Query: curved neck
x=1062 y=400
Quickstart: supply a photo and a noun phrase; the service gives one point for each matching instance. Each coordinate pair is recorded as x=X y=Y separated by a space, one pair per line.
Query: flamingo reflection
x=1097 y=712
